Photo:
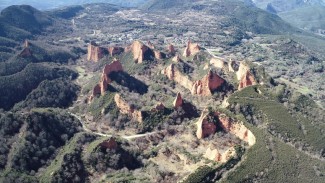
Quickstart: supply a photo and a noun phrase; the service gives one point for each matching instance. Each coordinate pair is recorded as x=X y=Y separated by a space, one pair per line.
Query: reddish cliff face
x=158 y=55
x=236 y=128
x=171 y=50
x=176 y=59
x=26 y=52
x=174 y=74
x=247 y=80
x=125 y=108
x=178 y=102
x=203 y=87
x=207 y=84
x=95 y=53
x=150 y=45
x=205 y=128
x=115 y=50
x=139 y=50
x=232 y=66
x=191 y=49
x=102 y=86
x=244 y=76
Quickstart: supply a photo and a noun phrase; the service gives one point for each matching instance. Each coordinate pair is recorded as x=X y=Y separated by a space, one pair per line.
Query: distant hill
x=304 y=14
x=49 y=4
x=308 y=18
x=235 y=12
x=287 y=5
x=20 y=22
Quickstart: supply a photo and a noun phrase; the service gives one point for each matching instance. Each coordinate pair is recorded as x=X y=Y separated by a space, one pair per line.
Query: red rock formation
x=101 y=87
x=125 y=108
x=109 y=144
x=150 y=45
x=205 y=128
x=191 y=49
x=114 y=50
x=207 y=84
x=247 y=80
x=236 y=128
x=138 y=50
x=178 y=102
x=95 y=53
x=158 y=55
x=229 y=125
x=174 y=74
x=177 y=58
x=26 y=52
x=244 y=76
x=171 y=50
x=232 y=66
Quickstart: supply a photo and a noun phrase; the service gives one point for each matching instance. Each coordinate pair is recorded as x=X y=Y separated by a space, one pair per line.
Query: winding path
x=126 y=137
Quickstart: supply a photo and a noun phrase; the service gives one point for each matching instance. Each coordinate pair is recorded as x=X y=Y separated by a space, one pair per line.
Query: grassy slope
x=270 y=158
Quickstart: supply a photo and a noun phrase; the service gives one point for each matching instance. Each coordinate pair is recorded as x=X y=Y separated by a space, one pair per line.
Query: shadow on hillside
x=126 y=80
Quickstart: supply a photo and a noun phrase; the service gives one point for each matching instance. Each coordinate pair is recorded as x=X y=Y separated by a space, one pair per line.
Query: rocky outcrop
x=125 y=108
x=115 y=50
x=244 y=76
x=203 y=87
x=176 y=59
x=191 y=49
x=218 y=63
x=171 y=50
x=26 y=52
x=95 y=53
x=205 y=128
x=139 y=51
x=150 y=45
x=232 y=66
x=178 y=102
x=214 y=155
x=102 y=86
x=236 y=128
x=174 y=74
x=207 y=84
x=158 y=55
x=247 y=80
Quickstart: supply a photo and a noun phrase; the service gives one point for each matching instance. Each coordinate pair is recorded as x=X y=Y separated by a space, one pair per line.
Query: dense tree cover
x=17 y=177
x=45 y=132
x=19 y=22
x=56 y=93
x=12 y=66
x=104 y=158
x=15 y=88
x=68 y=12
x=45 y=53
x=72 y=168
x=10 y=124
